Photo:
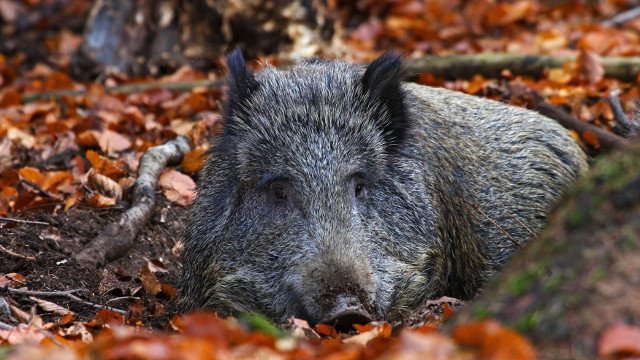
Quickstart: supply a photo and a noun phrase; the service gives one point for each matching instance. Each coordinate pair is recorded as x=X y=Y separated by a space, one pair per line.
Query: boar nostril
x=347 y=312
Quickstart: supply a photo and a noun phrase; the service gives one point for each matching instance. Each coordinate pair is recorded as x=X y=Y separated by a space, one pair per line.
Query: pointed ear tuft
x=240 y=80
x=382 y=83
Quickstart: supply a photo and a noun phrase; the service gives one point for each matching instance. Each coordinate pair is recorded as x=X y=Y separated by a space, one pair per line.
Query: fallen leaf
x=104 y=166
x=590 y=66
x=149 y=281
x=99 y=200
x=193 y=161
x=105 y=185
x=111 y=141
x=619 y=339
x=51 y=307
x=494 y=341
x=24 y=138
x=177 y=187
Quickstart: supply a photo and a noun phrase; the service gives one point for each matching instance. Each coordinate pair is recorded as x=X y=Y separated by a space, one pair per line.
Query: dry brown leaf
x=77 y=330
x=24 y=138
x=619 y=339
x=111 y=141
x=105 y=185
x=99 y=200
x=433 y=346
x=494 y=341
x=590 y=66
x=177 y=187
x=149 y=281
x=193 y=161
x=51 y=307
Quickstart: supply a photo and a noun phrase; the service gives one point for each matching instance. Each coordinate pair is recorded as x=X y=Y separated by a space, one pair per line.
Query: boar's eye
x=359 y=188
x=278 y=191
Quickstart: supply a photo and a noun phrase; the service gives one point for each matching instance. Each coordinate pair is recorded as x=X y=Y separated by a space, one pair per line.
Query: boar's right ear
x=382 y=83
x=240 y=80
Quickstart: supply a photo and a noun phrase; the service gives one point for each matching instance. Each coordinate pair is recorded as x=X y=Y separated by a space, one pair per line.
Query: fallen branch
x=68 y=294
x=623 y=17
x=492 y=65
x=450 y=66
x=607 y=140
x=32 y=222
x=5 y=326
x=117 y=237
x=16 y=255
x=128 y=89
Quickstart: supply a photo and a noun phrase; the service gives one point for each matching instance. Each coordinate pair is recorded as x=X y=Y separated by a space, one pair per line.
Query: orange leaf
x=620 y=339
x=32 y=174
x=12 y=279
x=99 y=200
x=447 y=311
x=193 y=161
x=494 y=341
x=326 y=330
x=10 y=97
x=149 y=281
x=591 y=139
x=54 y=178
x=105 y=166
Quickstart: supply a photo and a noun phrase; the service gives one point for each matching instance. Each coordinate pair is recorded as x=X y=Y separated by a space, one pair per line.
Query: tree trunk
x=140 y=37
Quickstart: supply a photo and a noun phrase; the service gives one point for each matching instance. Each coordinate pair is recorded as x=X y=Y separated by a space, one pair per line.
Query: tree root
x=116 y=238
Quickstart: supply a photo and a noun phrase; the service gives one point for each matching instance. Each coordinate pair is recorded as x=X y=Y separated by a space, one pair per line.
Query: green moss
x=608 y=170
x=552 y=284
x=257 y=322
x=596 y=275
x=4 y=352
x=576 y=218
x=480 y=312
x=519 y=283
x=527 y=321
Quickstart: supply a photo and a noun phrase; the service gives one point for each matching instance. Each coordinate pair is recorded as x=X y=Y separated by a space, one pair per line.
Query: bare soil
x=117 y=285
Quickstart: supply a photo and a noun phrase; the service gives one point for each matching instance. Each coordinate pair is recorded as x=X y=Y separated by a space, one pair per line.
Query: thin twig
x=15 y=254
x=33 y=222
x=69 y=294
x=40 y=190
x=122 y=298
x=498 y=226
x=623 y=17
x=523 y=225
x=624 y=126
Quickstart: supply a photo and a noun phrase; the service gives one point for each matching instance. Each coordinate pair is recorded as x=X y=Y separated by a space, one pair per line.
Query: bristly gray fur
x=454 y=184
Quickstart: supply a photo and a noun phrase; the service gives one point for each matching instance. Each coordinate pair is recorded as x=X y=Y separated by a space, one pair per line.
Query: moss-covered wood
x=583 y=274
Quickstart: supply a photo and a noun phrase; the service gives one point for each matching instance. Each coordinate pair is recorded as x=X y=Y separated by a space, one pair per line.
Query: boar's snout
x=348 y=311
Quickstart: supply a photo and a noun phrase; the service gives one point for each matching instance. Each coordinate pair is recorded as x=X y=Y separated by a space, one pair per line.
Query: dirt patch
x=117 y=285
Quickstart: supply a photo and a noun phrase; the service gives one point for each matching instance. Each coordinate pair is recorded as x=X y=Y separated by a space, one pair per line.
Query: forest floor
x=67 y=162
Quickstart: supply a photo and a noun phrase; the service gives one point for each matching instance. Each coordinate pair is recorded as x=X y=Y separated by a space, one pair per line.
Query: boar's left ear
x=382 y=84
x=240 y=80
